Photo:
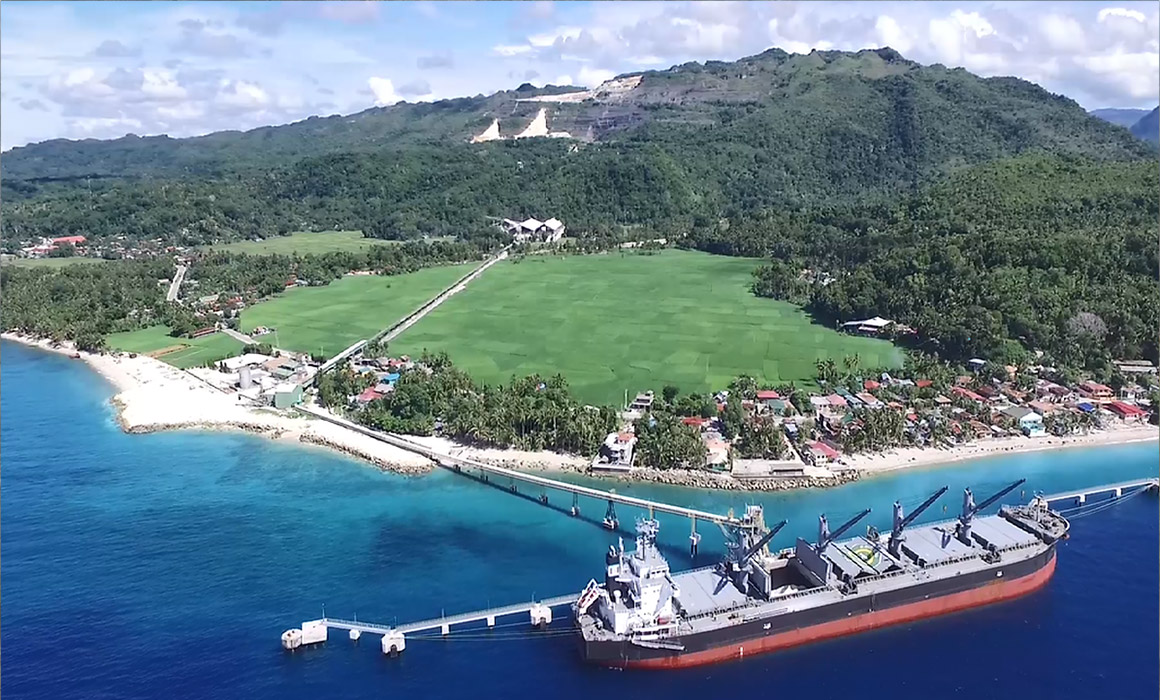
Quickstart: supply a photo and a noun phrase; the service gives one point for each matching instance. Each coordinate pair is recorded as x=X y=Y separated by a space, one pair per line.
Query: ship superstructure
x=755 y=600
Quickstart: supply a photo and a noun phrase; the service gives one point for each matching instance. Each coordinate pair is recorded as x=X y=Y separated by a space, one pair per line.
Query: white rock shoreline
x=153 y=396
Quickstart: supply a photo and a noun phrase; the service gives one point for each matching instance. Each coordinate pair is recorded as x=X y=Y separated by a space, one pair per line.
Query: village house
x=1135 y=367
x=616 y=453
x=821 y=453
x=534 y=230
x=1127 y=412
x=967 y=394
x=869 y=327
x=1096 y=391
x=1030 y=422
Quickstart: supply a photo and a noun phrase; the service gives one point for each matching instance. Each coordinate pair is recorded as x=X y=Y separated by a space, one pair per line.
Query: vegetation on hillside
x=1035 y=253
x=689 y=146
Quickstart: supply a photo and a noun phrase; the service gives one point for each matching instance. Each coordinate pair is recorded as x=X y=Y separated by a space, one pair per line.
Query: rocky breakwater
x=700 y=479
x=411 y=467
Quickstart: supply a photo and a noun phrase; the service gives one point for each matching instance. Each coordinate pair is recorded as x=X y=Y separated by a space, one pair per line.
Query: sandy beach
x=153 y=396
x=904 y=457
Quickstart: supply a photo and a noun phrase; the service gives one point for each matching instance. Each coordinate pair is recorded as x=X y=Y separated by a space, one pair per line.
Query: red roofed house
x=836 y=401
x=73 y=240
x=369 y=395
x=923 y=383
x=1097 y=391
x=822 y=452
x=1126 y=410
x=695 y=421
x=767 y=395
x=967 y=394
x=871 y=385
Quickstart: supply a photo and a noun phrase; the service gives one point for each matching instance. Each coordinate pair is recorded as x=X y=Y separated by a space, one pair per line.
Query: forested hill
x=685 y=148
x=794 y=108
x=1038 y=252
x=1149 y=126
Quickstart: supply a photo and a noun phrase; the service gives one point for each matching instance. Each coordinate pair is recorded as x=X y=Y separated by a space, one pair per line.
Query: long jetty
x=1099 y=494
x=460 y=464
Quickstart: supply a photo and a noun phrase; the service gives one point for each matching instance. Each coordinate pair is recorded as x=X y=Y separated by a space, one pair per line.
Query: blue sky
x=76 y=70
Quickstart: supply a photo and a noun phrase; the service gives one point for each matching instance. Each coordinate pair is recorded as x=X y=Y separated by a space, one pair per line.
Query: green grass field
x=303 y=243
x=615 y=323
x=51 y=262
x=329 y=319
x=195 y=353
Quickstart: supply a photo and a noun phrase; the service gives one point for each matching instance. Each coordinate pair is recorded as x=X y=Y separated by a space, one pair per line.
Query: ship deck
x=708 y=602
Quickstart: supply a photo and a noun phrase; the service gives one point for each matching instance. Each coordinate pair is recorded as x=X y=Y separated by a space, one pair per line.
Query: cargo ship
x=756 y=601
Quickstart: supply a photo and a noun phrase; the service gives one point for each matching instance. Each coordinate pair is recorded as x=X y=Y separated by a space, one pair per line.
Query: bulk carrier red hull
x=645 y=616
x=994 y=590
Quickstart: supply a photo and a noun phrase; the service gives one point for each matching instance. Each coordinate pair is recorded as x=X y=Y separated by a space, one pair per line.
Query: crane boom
x=918 y=511
x=998 y=495
x=829 y=537
x=762 y=542
x=900 y=522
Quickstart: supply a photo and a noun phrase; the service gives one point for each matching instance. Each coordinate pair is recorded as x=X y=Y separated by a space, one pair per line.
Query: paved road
x=417 y=315
x=175 y=285
x=240 y=337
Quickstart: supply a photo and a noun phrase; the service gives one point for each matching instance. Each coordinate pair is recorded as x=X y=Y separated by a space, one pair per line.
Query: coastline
x=152 y=396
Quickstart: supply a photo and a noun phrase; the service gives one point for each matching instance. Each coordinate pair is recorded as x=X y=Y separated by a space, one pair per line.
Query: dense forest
x=1038 y=252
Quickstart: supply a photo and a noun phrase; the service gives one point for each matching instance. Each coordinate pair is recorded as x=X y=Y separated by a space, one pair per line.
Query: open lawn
x=188 y=352
x=51 y=262
x=329 y=319
x=627 y=322
x=303 y=243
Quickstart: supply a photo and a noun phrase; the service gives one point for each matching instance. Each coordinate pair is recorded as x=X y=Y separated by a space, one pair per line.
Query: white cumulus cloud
x=383 y=90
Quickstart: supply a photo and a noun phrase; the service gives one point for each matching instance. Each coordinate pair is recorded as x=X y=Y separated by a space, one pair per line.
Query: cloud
x=33 y=105
x=510 y=50
x=383 y=90
x=268 y=23
x=196 y=40
x=111 y=48
x=444 y=60
x=591 y=77
x=350 y=12
x=415 y=88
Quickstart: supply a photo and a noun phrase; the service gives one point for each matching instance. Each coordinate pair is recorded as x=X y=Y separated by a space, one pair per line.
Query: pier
x=487 y=471
x=1096 y=494
x=394 y=639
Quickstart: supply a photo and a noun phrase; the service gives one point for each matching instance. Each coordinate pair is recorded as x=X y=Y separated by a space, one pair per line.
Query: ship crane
x=733 y=567
x=963 y=531
x=825 y=537
x=900 y=522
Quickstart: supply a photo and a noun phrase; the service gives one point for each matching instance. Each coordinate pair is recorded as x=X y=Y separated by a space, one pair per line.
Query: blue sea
x=167 y=566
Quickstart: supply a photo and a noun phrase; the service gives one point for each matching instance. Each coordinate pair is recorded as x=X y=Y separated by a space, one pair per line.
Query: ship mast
x=900 y=522
x=970 y=509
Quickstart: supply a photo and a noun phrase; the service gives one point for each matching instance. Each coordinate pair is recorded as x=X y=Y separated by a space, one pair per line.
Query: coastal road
x=175 y=285
x=417 y=315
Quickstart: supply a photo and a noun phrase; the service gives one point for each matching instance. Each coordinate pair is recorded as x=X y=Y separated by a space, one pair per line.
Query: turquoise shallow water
x=167 y=565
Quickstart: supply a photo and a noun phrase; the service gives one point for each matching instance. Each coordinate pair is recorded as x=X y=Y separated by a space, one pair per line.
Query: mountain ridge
x=711 y=94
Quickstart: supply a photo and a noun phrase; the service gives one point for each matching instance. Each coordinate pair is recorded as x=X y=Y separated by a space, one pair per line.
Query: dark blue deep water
x=167 y=566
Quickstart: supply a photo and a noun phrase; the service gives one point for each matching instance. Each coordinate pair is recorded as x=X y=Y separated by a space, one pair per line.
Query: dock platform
x=394 y=638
